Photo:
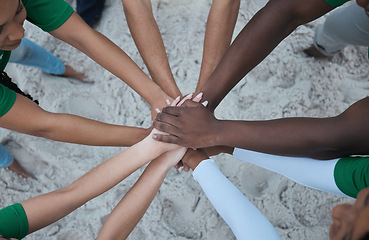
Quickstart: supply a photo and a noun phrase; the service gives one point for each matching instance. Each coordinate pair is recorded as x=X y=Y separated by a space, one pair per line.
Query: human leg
x=6 y=159
x=344 y=26
x=30 y=54
x=90 y=10
x=317 y=174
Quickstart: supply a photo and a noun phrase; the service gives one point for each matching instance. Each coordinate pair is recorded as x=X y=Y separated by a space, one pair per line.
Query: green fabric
x=13 y=222
x=351 y=175
x=336 y=3
x=7 y=99
x=4 y=59
x=47 y=14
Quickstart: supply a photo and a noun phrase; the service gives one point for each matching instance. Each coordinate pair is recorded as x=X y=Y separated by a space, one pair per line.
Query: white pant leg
x=317 y=174
x=344 y=26
x=245 y=220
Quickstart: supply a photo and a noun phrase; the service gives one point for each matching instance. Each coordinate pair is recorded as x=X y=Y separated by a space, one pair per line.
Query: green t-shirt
x=13 y=222
x=7 y=99
x=351 y=175
x=46 y=14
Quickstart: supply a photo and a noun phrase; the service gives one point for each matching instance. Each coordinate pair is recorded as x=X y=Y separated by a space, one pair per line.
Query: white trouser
x=344 y=26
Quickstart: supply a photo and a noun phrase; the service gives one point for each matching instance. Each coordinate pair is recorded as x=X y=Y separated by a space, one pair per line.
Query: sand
x=285 y=84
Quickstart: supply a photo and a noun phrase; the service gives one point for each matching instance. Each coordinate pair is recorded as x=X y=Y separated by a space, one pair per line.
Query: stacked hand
x=192 y=157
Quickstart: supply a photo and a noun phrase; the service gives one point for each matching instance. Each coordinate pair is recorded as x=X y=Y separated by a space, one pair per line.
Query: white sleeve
x=245 y=220
x=317 y=174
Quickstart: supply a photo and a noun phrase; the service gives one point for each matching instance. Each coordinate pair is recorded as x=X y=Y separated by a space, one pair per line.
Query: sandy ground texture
x=285 y=84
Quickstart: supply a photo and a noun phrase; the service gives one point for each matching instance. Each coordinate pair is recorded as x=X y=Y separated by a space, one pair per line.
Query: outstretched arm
x=146 y=34
x=48 y=208
x=27 y=117
x=103 y=51
x=320 y=138
x=134 y=204
x=218 y=35
x=245 y=220
x=257 y=39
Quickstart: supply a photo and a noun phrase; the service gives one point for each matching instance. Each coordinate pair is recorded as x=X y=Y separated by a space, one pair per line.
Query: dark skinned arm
x=258 y=38
x=195 y=126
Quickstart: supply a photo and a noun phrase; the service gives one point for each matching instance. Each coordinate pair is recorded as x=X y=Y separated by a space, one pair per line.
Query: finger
x=165 y=127
x=168 y=119
x=165 y=138
x=174 y=111
x=189 y=96
x=198 y=97
x=175 y=101
x=178 y=165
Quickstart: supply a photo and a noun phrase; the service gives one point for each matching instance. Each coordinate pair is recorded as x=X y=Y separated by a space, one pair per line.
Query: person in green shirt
x=58 y=18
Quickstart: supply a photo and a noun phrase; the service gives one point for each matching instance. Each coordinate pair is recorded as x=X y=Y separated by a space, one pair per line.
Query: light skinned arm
x=218 y=36
x=48 y=208
x=27 y=117
x=134 y=204
x=104 y=52
x=258 y=38
x=146 y=34
x=321 y=138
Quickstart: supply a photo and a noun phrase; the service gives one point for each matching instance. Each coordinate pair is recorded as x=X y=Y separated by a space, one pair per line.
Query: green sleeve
x=351 y=175
x=336 y=3
x=47 y=14
x=7 y=99
x=13 y=222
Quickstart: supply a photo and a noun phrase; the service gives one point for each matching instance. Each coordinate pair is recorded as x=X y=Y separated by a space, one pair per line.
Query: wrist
x=216 y=135
x=148 y=148
x=158 y=97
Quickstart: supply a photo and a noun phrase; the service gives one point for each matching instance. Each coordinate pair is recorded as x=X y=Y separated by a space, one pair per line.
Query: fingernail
x=190 y=95
x=157 y=110
x=205 y=103
x=154 y=137
x=178 y=98
x=198 y=96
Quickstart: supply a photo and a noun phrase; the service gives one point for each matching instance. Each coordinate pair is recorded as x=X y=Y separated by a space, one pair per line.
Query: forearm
x=218 y=35
x=134 y=204
x=111 y=57
x=27 y=117
x=147 y=37
x=257 y=39
x=321 y=138
x=48 y=208
x=75 y=129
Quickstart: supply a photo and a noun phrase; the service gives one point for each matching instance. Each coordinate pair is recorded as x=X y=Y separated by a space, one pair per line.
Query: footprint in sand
x=255 y=180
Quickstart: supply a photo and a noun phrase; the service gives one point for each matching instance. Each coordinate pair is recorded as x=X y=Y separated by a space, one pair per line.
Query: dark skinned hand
x=190 y=125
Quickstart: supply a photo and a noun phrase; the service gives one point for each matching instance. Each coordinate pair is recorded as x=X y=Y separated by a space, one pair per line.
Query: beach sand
x=286 y=84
